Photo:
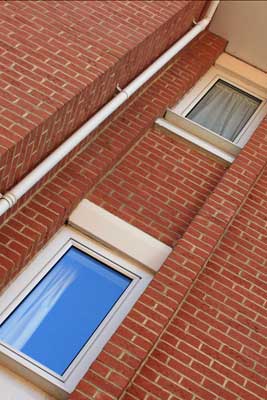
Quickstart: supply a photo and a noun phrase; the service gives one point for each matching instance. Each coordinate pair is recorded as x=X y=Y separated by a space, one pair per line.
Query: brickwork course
x=199 y=330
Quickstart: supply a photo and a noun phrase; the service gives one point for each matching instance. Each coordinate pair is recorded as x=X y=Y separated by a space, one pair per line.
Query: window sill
x=203 y=133
x=203 y=140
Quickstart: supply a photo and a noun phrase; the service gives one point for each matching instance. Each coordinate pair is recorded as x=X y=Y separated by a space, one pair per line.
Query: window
x=222 y=110
x=61 y=313
x=64 y=307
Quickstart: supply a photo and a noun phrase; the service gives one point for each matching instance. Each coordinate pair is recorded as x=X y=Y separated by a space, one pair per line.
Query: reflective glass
x=56 y=319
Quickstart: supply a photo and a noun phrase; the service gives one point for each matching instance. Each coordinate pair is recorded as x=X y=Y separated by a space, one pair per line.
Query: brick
x=198 y=330
x=45 y=61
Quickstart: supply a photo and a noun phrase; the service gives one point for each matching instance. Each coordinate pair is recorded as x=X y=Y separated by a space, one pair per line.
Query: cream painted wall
x=243 y=24
x=15 y=388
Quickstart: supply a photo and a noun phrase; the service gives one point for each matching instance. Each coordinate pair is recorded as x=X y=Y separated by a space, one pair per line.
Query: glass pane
x=56 y=319
x=224 y=110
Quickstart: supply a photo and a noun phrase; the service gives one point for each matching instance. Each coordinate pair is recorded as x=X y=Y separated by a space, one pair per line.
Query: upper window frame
x=237 y=74
x=205 y=84
x=62 y=386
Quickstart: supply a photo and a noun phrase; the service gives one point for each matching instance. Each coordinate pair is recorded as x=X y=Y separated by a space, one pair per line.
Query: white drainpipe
x=12 y=196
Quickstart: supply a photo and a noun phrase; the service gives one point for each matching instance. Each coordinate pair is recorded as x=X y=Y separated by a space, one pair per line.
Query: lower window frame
x=57 y=385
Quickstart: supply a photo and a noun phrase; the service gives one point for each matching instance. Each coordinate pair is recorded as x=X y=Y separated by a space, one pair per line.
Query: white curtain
x=224 y=110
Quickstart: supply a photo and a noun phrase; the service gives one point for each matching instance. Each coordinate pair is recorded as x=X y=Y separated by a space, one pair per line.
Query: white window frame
x=237 y=74
x=62 y=386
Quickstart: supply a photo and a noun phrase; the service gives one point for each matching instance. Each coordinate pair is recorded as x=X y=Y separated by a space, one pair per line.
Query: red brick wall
x=159 y=186
x=48 y=207
x=192 y=64
x=221 y=328
x=207 y=304
x=199 y=330
x=62 y=60
x=25 y=232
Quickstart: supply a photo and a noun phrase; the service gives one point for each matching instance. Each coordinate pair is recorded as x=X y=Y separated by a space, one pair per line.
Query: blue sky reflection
x=61 y=313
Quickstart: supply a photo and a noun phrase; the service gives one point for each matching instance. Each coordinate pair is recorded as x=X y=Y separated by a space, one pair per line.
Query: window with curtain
x=224 y=109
